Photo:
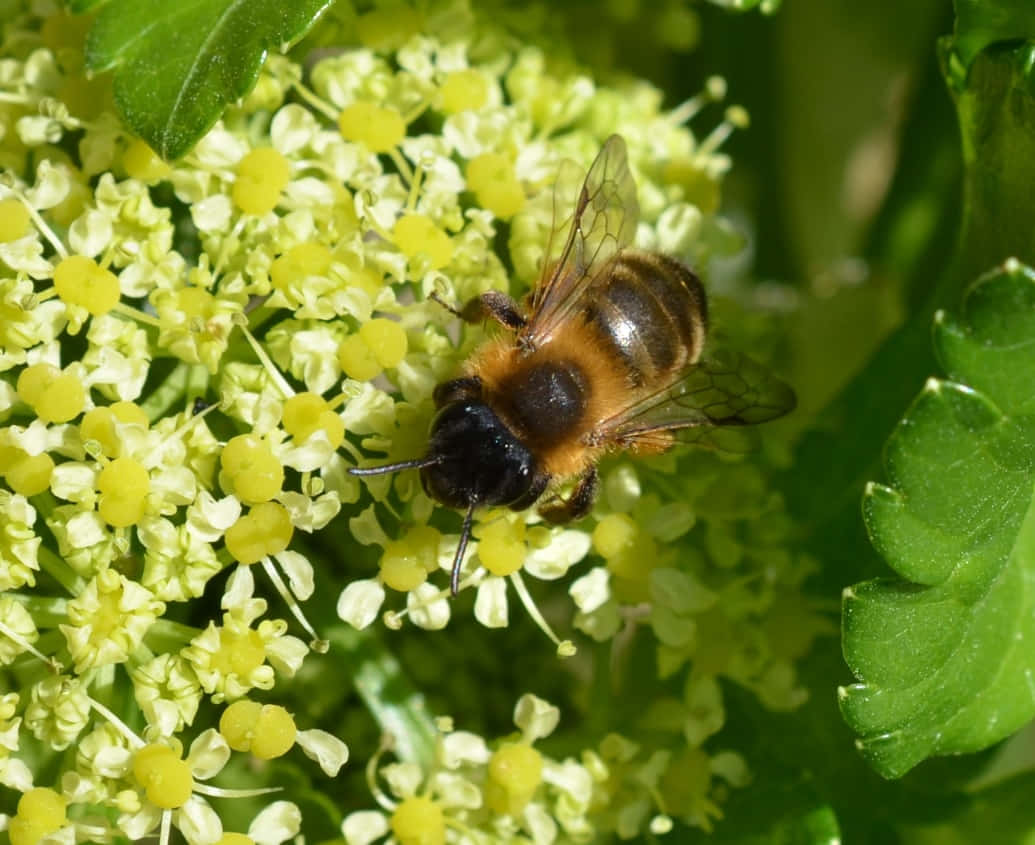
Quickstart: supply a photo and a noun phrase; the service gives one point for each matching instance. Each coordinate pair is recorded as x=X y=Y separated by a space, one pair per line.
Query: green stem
x=184 y=380
x=396 y=705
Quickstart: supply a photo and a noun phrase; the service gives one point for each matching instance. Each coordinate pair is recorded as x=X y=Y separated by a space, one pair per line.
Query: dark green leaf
x=996 y=108
x=77 y=7
x=980 y=23
x=946 y=657
x=177 y=65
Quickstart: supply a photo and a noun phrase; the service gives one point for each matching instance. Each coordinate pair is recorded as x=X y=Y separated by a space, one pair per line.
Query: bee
x=607 y=353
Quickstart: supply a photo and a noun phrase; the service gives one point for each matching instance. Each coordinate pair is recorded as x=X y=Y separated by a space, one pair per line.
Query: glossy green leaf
x=177 y=65
x=980 y=23
x=945 y=655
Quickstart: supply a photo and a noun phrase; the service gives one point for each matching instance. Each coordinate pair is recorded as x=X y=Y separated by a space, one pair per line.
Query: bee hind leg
x=577 y=505
x=494 y=304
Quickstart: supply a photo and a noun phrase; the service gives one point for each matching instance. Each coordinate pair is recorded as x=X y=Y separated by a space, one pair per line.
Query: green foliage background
x=889 y=166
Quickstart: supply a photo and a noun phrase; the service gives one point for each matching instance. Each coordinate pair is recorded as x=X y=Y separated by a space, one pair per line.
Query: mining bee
x=606 y=353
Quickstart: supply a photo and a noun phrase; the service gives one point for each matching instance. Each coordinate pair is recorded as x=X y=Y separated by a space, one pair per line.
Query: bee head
x=474 y=459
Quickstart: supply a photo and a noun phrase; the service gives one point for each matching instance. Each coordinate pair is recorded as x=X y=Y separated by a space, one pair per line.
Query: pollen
x=464 y=90
x=79 y=280
x=417 y=234
x=41 y=811
x=261 y=177
x=250 y=470
x=266 y=730
x=240 y=653
x=307 y=413
x=299 y=262
x=501 y=546
x=380 y=129
x=401 y=568
x=142 y=163
x=386 y=339
x=56 y=397
x=491 y=177
x=515 y=772
x=164 y=777
x=357 y=360
x=615 y=534
x=14 y=220
x=380 y=343
x=266 y=530
x=98 y=424
x=123 y=485
x=29 y=475
x=419 y=821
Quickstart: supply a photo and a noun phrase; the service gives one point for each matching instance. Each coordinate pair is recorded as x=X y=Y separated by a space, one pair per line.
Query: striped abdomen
x=651 y=310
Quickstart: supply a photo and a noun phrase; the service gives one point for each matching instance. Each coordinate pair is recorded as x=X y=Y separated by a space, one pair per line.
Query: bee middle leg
x=494 y=304
x=577 y=505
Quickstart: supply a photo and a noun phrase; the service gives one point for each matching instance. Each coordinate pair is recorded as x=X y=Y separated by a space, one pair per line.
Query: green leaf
x=78 y=7
x=945 y=656
x=980 y=23
x=996 y=108
x=177 y=65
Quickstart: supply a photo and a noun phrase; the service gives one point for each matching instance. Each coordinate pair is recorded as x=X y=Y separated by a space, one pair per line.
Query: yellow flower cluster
x=192 y=353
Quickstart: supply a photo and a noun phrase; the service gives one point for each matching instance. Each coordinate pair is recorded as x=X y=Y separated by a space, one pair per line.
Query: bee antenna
x=416 y=463
x=458 y=559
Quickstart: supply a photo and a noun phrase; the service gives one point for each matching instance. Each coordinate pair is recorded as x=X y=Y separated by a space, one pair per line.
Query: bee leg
x=456 y=390
x=577 y=505
x=494 y=304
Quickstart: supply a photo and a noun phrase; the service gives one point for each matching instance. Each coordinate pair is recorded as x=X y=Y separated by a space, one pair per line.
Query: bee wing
x=725 y=388
x=602 y=224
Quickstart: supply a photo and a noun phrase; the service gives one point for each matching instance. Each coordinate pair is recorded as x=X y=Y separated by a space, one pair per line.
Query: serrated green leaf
x=177 y=65
x=946 y=657
x=995 y=102
x=980 y=23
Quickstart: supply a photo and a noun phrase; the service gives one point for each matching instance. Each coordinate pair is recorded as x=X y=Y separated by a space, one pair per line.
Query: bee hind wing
x=724 y=390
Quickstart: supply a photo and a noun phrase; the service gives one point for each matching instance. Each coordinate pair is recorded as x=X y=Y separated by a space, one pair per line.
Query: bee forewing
x=602 y=223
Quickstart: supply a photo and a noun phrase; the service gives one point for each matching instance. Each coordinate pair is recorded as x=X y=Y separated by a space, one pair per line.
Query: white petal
x=461 y=747
x=490 y=604
x=535 y=717
x=431 y=614
x=299 y=573
x=52 y=185
x=239 y=588
x=139 y=824
x=15 y=775
x=360 y=602
x=277 y=823
x=208 y=754
x=325 y=748
x=198 y=822
x=592 y=589
x=453 y=790
x=286 y=654
x=364 y=827
x=567 y=548
x=539 y=823
x=208 y=518
x=403 y=778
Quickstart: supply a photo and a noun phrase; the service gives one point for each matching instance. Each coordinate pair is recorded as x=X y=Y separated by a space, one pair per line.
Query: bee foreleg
x=577 y=505
x=496 y=305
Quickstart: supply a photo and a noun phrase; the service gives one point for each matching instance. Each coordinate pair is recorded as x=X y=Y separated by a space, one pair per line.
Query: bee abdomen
x=651 y=310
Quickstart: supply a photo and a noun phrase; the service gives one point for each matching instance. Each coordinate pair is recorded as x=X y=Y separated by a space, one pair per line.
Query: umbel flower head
x=193 y=353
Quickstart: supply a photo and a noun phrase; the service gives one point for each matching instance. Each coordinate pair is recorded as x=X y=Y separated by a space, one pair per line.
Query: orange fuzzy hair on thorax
x=608 y=388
